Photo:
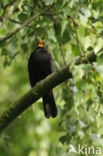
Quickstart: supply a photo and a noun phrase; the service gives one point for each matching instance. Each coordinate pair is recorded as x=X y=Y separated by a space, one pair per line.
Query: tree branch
x=17 y=22
x=38 y=91
x=8 y=12
x=22 y=26
x=87 y=27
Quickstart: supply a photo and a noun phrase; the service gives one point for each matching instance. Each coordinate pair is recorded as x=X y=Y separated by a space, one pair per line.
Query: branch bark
x=38 y=91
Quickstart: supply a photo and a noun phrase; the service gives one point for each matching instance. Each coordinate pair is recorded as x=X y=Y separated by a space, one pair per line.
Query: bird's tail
x=50 y=108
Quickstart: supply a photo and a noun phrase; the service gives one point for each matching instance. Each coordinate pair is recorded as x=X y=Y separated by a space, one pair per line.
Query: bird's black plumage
x=41 y=65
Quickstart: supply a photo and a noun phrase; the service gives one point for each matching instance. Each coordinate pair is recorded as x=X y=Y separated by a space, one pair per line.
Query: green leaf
x=77 y=72
x=86 y=41
x=100 y=59
x=97 y=76
x=58 y=4
x=81 y=31
x=20 y=3
x=1 y=11
x=86 y=67
x=47 y=2
x=22 y=17
x=86 y=12
x=65 y=37
x=3 y=31
x=57 y=28
x=62 y=33
x=67 y=11
x=75 y=50
x=98 y=45
x=82 y=124
x=24 y=47
x=62 y=139
x=82 y=84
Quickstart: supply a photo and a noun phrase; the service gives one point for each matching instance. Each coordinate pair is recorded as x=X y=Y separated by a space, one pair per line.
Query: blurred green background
x=69 y=28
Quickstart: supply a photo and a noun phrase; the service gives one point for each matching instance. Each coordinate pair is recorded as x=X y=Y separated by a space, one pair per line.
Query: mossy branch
x=38 y=91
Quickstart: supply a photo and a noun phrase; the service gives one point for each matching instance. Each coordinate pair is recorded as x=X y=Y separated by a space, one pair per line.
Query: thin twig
x=8 y=12
x=74 y=21
x=25 y=24
x=18 y=22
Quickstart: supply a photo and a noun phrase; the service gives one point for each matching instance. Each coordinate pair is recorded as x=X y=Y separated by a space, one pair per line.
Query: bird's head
x=40 y=43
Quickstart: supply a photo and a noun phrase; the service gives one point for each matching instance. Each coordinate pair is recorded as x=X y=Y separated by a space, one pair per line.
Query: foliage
x=69 y=28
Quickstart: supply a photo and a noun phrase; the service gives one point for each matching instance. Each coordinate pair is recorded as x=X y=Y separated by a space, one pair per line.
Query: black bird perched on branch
x=40 y=65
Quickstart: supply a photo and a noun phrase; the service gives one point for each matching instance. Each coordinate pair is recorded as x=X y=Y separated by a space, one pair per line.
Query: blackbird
x=40 y=65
